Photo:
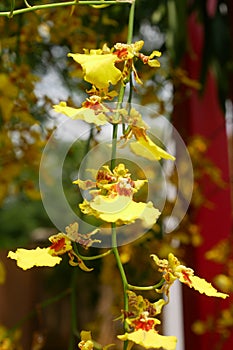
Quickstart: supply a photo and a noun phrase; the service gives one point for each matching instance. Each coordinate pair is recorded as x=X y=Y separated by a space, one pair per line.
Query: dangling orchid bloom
x=92 y=111
x=142 y=322
x=127 y=52
x=143 y=146
x=172 y=270
x=101 y=68
x=61 y=243
x=112 y=201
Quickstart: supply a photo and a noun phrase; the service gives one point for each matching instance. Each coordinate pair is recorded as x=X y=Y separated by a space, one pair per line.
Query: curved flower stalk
x=61 y=244
x=113 y=198
x=108 y=70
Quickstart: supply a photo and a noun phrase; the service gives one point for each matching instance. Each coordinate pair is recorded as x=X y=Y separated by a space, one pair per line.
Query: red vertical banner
x=200 y=114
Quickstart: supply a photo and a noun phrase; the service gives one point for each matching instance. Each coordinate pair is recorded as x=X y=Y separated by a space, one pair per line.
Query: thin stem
x=122 y=274
x=113 y=164
x=59 y=4
x=12 y=8
x=146 y=288
x=93 y=257
x=131 y=23
x=114 y=146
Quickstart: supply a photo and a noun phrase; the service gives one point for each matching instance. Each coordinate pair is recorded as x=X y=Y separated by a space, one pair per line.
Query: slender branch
x=30 y=8
x=131 y=23
x=122 y=274
x=12 y=8
x=146 y=288
x=27 y=4
x=93 y=257
x=113 y=164
x=114 y=144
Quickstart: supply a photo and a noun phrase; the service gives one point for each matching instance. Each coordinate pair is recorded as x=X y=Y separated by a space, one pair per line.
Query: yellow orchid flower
x=129 y=51
x=113 y=198
x=99 y=66
x=84 y=239
x=126 y=52
x=121 y=210
x=61 y=244
x=92 y=111
x=99 y=69
x=172 y=269
x=86 y=342
x=116 y=182
x=141 y=319
x=150 y=339
x=145 y=147
x=50 y=256
x=28 y=258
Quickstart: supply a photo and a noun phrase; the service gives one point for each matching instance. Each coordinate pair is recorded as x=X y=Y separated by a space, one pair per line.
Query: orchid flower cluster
x=112 y=196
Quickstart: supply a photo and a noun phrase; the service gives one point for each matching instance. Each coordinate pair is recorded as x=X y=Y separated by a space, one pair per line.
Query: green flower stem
x=32 y=8
x=131 y=23
x=113 y=164
x=12 y=8
x=114 y=146
x=155 y=286
x=122 y=274
x=93 y=257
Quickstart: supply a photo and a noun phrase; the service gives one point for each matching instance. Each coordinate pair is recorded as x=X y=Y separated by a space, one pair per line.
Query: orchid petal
x=150 y=339
x=27 y=258
x=99 y=70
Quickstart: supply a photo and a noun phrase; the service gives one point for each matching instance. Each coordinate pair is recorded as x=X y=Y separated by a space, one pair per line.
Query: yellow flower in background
x=172 y=269
x=10 y=339
x=86 y=342
x=2 y=273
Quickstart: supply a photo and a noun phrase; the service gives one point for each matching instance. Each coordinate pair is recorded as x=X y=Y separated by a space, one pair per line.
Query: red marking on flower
x=121 y=53
x=58 y=245
x=125 y=188
x=104 y=176
x=145 y=325
x=127 y=314
x=186 y=278
x=144 y=58
x=92 y=105
x=90 y=183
